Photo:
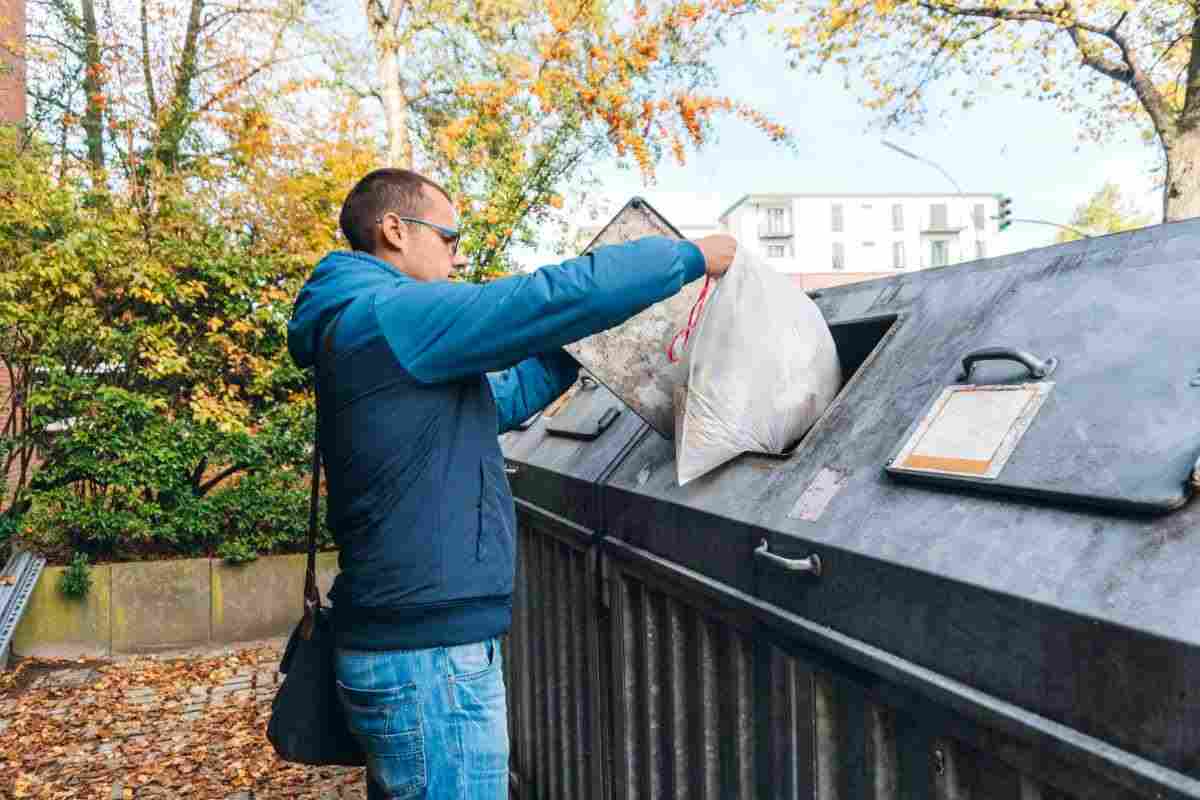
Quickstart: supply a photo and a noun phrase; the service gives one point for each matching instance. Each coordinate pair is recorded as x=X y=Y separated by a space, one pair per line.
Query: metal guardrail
x=632 y=677
x=24 y=569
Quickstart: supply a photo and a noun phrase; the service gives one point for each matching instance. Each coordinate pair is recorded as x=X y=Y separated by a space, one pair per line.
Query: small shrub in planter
x=10 y=523
x=237 y=551
x=76 y=580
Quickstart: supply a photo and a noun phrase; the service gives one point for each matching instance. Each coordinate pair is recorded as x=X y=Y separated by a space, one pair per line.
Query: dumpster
x=973 y=577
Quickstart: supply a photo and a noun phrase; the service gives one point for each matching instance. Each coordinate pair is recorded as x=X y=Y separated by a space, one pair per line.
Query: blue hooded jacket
x=410 y=416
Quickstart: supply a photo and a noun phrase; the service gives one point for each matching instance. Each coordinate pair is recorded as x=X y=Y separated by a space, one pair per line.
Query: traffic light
x=1005 y=215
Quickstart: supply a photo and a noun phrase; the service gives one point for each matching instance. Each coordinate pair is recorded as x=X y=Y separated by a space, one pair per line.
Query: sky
x=1005 y=144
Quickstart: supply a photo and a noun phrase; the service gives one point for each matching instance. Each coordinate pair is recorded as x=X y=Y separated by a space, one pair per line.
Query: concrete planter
x=161 y=605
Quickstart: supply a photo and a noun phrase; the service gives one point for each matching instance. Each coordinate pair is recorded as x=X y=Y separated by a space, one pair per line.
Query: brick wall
x=5 y=399
x=12 y=110
x=12 y=73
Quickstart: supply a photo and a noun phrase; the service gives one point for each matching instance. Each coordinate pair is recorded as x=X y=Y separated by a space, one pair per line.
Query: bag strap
x=312 y=596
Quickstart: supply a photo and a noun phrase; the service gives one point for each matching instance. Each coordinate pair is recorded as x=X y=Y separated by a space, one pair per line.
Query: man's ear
x=393 y=235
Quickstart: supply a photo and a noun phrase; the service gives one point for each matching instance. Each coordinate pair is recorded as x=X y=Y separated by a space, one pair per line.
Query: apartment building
x=830 y=239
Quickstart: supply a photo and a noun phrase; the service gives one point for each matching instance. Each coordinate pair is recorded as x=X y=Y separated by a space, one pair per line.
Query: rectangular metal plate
x=631 y=359
x=587 y=415
x=972 y=430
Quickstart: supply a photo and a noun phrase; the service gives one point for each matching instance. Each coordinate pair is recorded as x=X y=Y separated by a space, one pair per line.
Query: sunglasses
x=449 y=235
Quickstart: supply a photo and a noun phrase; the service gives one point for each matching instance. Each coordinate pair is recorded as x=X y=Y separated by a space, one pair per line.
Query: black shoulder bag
x=307 y=724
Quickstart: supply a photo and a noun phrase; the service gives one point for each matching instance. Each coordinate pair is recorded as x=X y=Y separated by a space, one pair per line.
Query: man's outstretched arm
x=448 y=331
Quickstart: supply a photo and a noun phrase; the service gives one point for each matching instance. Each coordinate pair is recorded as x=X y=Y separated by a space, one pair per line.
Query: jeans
x=433 y=723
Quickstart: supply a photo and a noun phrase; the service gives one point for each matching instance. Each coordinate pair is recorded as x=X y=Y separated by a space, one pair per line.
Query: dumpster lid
x=631 y=358
x=1068 y=410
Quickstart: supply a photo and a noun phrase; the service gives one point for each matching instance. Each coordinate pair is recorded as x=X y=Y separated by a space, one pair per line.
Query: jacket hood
x=339 y=279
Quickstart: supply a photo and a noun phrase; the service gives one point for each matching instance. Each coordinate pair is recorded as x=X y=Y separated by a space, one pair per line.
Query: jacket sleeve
x=530 y=386
x=446 y=331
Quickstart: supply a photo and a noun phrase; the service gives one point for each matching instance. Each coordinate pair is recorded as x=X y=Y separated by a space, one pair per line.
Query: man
x=418 y=501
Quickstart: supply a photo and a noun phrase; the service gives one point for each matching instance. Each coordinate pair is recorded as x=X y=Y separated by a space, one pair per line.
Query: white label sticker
x=816 y=497
x=972 y=430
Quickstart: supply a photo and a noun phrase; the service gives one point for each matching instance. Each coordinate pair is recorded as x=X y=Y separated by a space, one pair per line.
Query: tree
x=1107 y=211
x=148 y=352
x=1107 y=61
x=385 y=19
x=511 y=101
x=145 y=86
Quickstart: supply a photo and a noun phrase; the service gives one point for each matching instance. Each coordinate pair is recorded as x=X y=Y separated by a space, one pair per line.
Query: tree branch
x=244 y=79
x=172 y=131
x=208 y=485
x=147 y=75
x=1191 y=103
x=57 y=43
x=1127 y=71
x=93 y=118
x=1143 y=85
x=198 y=473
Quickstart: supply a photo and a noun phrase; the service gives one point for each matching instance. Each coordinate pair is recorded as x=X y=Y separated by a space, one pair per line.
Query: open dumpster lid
x=631 y=359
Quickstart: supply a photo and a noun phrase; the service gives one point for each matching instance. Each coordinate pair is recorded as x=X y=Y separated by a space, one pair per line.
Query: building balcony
x=766 y=232
x=942 y=226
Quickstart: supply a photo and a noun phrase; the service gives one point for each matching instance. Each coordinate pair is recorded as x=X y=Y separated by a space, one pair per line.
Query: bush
x=76 y=580
x=10 y=523
x=149 y=345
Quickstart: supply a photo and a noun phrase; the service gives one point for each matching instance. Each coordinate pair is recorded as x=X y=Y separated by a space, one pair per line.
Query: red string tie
x=693 y=318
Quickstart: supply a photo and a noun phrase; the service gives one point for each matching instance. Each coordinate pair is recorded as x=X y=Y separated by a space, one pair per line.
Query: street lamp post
x=1076 y=231
x=958 y=189
x=915 y=157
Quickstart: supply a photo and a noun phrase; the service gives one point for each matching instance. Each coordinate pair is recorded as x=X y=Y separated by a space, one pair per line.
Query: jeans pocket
x=481 y=715
x=468 y=662
x=388 y=724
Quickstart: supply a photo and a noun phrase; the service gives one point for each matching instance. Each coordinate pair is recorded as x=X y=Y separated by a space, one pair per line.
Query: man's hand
x=718 y=253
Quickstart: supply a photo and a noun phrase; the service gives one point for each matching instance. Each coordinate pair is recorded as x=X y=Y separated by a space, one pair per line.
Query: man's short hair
x=399 y=191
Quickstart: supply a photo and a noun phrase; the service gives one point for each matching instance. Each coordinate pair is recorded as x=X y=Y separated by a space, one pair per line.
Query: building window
x=776 y=220
x=978 y=215
x=897 y=217
x=776 y=251
x=939 y=254
x=839 y=254
x=937 y=217
x=980 y=249
x=838 y=222
x=868 y=244
x=898 y=255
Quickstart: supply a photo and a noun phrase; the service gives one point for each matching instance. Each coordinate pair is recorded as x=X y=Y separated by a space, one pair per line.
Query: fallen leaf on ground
x=79 y=730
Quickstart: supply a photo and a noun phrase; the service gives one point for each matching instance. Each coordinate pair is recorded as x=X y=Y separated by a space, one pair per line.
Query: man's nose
x=460 y=261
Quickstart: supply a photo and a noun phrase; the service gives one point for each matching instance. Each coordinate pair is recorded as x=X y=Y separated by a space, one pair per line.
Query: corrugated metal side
x=658 y=688
x=550 y=666
x=683 y=699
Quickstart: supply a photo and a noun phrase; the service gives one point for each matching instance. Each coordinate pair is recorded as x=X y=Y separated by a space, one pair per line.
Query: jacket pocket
x=496 y=518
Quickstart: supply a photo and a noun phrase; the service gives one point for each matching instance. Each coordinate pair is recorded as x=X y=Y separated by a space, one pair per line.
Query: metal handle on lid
x=1037 y=367
x=810 y=565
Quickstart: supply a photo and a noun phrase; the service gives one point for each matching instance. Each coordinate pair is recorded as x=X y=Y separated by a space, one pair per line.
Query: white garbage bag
x=763 y=367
